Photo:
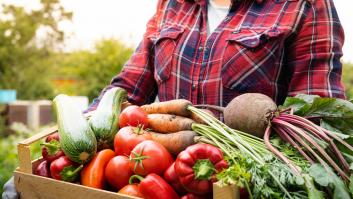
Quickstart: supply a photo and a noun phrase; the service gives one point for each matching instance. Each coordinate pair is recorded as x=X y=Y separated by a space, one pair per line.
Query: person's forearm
x=10 y=191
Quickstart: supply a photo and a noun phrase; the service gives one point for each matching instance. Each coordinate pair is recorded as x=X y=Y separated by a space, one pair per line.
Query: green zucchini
x=105 y=120
x=77 y=139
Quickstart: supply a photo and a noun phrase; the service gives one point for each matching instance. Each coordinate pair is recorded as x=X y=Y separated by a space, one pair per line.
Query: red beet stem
x=277 y=152
x=282 y=132
x=305 y=124
x=315 y=144
x=337 y=138
x=318 y=132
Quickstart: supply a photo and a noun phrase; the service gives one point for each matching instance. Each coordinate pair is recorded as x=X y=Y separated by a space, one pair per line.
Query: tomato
x=131 y=190
x=127 y=138
x=150 y=157
x=133 y=116
x=117 y=172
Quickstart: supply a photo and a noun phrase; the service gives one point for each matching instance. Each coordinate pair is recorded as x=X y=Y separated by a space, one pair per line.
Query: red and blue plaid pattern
x=277 y=47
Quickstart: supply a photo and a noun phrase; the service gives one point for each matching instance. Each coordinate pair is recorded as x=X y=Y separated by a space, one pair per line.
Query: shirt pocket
x=164 y=52
x=249 y=57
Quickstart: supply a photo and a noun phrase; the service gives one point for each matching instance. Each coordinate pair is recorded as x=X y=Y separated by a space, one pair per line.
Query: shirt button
x=200 y=48
x=193 y=86
x=227 y=19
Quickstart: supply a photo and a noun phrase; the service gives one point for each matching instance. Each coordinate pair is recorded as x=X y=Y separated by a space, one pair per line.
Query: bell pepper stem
x=52 y=147
x=203 y=169
x=69 y=174
x=140 y=178
x=48 y=145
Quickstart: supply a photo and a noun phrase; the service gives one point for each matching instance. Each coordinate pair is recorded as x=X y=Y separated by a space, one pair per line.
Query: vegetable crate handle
x=24 y=152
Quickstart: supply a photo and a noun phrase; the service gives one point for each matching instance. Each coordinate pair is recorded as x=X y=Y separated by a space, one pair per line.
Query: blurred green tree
x=108 y=59
x=23 y=55
x=90 y=71
x=347 y=78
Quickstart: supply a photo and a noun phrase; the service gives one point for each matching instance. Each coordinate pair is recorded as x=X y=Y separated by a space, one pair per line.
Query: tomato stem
x=138 y=159
x=203 y=169
x=138 y=129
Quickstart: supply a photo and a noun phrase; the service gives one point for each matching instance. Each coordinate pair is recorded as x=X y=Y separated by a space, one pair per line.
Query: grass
x=8 y=151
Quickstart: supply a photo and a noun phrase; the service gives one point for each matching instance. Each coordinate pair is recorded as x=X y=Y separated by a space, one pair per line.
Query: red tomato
x=127 y=138
x=133 y=116
x=150 y=157
x=118 y=172
x=131 y=190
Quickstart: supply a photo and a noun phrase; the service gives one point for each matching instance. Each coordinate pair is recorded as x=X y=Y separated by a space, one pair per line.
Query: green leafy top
x=334 y=114
x=324 y=176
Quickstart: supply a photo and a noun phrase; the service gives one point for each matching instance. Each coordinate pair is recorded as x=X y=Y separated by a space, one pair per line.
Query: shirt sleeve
x=137 y=76
x=314 y=52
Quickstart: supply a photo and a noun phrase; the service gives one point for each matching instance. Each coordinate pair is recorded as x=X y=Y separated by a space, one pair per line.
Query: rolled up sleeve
x=314 y=52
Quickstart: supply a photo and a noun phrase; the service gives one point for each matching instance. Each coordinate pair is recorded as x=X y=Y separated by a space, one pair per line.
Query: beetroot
x=250 y=113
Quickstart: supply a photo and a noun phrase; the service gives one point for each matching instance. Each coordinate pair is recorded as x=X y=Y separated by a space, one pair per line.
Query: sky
x=126 y=20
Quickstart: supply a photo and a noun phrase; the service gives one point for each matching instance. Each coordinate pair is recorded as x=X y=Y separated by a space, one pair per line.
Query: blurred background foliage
x=8 y=152
x=347 y=79
x=87 y=72
x=32 y=62
x=22 y=55
x=38 y=69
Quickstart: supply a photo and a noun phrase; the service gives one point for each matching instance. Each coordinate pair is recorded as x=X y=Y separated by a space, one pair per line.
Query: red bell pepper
x=54 y=136
x=172 y=178
x=64 y=169
x=154 y=187
x=51 y=149
x=196 y=166
x=42 y=169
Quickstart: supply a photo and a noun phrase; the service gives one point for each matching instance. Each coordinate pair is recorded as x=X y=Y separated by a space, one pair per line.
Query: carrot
x=175 y=142
x=174 y=107
x=197 y=119
x=165 y=123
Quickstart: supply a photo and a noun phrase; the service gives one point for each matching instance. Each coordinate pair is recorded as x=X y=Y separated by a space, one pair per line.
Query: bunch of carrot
x=171 y=122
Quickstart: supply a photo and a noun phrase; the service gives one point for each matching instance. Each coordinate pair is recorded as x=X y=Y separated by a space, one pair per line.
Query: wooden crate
x=31 y=186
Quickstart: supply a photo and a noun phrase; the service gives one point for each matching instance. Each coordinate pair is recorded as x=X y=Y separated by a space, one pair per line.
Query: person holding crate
x=209 y=51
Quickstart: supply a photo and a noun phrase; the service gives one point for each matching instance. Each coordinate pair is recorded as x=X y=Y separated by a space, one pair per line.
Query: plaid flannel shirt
x=278 y=47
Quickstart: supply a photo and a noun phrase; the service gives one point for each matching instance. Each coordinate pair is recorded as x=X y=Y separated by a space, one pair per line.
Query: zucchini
x=105 y=120
x=77 y=139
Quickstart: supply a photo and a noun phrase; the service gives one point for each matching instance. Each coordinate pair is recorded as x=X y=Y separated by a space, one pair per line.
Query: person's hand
x=10 y=190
